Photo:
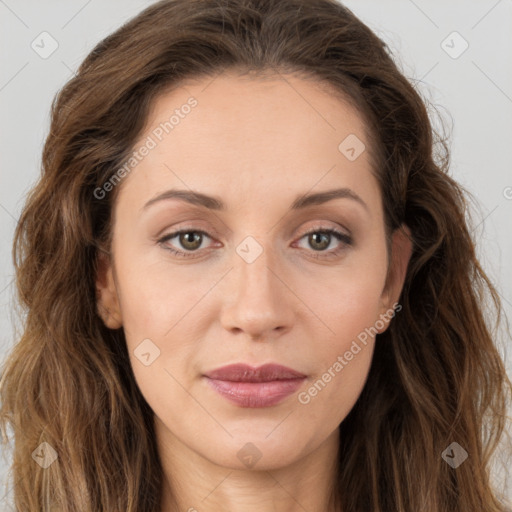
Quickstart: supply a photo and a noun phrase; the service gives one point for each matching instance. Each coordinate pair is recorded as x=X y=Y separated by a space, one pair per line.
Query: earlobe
x=107 y=302
x=401 y=251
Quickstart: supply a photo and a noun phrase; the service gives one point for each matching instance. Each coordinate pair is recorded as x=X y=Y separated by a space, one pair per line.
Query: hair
x=436 y=375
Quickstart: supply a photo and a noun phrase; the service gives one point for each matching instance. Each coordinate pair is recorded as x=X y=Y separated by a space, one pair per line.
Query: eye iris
x=313 y=237
x=184 y=240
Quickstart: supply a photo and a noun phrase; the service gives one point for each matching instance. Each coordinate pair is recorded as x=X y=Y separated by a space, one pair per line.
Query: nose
x=258 y=300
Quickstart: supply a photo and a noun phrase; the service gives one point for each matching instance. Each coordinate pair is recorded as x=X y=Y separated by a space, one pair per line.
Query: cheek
x=347 y=302
x=350 y=309
x=331 y=394
x=342 y=358
x=154 y=294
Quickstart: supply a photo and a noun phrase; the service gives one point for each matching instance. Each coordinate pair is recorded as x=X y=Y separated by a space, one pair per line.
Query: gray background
x=472 y=91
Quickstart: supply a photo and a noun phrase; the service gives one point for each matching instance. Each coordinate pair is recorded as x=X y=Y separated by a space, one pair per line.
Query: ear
x=401 y=250
x=107 y=301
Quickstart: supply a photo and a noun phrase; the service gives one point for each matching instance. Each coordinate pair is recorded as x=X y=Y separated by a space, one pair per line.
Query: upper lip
x=245 y=373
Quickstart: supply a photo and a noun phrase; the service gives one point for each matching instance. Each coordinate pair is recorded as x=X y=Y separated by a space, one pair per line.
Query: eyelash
x=342 y=237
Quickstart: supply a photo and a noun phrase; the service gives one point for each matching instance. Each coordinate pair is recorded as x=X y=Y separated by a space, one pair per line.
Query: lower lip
x=255 y=394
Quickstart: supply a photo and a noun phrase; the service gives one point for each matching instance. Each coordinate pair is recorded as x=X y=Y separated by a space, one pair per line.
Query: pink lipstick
x=247 y=386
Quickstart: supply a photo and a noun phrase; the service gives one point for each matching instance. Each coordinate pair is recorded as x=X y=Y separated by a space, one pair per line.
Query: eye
x=189 y=239
x=318 y=238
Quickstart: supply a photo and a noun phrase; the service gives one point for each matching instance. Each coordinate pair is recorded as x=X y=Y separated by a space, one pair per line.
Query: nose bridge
x=255 y=275
x=257 y=300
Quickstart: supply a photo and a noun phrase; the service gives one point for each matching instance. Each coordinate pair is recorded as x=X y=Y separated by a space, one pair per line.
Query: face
x=259 y=275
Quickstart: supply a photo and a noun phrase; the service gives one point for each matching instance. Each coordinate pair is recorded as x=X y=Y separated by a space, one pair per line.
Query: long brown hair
x=436 y=376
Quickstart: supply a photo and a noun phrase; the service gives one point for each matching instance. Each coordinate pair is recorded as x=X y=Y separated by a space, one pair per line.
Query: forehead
x=245 y=136
x=263 y=102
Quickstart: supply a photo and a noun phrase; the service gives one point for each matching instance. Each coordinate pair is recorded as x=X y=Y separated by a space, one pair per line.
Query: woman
x=249 y=280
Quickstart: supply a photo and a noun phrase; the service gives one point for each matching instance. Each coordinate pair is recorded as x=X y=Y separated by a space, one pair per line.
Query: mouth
x=247 y=386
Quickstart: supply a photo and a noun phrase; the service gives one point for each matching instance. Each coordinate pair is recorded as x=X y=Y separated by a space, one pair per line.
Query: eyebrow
x=215 y=203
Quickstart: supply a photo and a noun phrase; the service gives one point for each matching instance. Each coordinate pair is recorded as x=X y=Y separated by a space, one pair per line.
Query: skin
x=256 y=144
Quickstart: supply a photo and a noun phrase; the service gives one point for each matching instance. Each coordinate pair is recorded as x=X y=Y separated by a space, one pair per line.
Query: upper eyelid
x=313 y=229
